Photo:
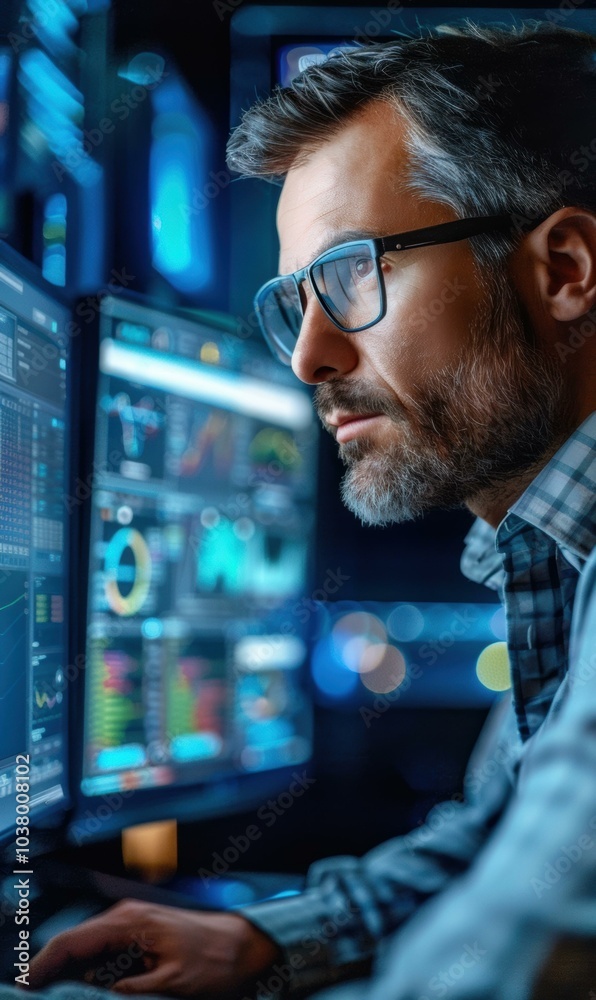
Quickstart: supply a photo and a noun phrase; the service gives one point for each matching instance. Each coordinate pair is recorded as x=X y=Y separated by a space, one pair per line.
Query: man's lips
x=349 y=425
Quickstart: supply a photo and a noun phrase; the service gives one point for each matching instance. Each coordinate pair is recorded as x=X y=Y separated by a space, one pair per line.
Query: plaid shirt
x=480 y=892
x=541 y=548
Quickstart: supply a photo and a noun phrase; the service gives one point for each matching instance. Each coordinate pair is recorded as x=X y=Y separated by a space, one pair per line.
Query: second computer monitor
x=201 y=517
x=35 y=358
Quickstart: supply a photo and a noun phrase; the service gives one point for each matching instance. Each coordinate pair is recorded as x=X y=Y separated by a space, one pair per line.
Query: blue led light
x=56 y=111
x=171 y=160
x=181 y=233
x=55 y=92
x=56 y=207
x=54 y=265
x=152 y=628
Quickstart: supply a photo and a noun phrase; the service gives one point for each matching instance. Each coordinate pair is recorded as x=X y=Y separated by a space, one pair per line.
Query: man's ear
x=563 y=250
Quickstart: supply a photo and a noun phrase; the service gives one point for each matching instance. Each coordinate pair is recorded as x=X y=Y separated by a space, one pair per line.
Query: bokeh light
x=244 y=528
x=405 y=623
x=152 y=628
x=352 y=651
x=387 y=672
x=361 y=655
x=210 y=353
x=493 y=668
x=210 y=517
x=353 y=635
x=498 y=624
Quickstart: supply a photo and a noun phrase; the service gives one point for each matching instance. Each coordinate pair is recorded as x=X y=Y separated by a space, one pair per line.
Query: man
x=461 y=162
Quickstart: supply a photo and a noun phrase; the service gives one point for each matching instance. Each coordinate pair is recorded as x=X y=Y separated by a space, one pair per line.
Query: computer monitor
x=200 y=517
x=35 y=341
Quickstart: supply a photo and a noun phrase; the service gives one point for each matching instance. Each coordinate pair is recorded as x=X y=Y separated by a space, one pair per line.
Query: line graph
x=21 y=597
x=13 y=672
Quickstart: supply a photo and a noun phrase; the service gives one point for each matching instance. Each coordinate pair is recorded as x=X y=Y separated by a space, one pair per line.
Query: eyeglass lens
x=281 y=317
x=346 y=281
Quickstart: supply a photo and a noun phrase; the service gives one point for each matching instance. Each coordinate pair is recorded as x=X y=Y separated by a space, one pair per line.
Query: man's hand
x=179 y=952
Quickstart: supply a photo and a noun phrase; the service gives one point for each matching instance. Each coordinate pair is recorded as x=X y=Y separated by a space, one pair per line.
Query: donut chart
x=116 y=573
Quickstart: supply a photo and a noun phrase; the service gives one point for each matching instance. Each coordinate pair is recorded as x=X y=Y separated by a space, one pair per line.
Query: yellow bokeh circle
x=493 y=668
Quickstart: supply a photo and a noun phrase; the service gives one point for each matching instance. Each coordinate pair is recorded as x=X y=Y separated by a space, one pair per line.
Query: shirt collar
x=561 y=501
x=480 y=561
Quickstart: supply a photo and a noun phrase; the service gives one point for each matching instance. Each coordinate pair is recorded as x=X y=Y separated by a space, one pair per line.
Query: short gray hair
x=500 y=119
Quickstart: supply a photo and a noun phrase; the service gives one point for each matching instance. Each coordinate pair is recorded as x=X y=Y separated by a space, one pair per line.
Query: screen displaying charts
x=34 y=361
x=201 y=520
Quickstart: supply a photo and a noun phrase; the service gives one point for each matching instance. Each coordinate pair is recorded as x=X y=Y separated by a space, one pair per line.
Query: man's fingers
x=93 y=937
x=158 y=980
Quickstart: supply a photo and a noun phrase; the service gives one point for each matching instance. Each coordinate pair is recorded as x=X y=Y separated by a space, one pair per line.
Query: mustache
x=355 y=397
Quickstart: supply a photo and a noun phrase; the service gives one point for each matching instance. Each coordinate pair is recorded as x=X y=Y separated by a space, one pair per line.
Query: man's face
x=454 y=397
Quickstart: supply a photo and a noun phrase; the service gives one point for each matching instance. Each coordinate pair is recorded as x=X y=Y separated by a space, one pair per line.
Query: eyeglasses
x=347 y=281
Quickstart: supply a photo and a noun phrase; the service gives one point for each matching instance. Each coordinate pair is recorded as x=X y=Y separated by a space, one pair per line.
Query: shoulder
x=583 y=626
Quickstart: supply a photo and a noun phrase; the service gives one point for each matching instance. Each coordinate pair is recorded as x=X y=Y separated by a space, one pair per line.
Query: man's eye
x=363 y=267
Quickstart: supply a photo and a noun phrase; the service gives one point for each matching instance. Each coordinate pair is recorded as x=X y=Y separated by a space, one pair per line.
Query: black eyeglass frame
x=445 y=232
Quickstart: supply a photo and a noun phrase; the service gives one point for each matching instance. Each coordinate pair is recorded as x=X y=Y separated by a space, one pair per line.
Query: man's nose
x=322 y=351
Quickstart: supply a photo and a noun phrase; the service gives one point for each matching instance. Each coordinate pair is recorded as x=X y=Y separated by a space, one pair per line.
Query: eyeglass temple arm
x=449 y=232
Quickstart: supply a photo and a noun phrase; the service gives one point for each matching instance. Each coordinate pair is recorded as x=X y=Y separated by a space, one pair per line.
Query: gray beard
x=469 y=429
